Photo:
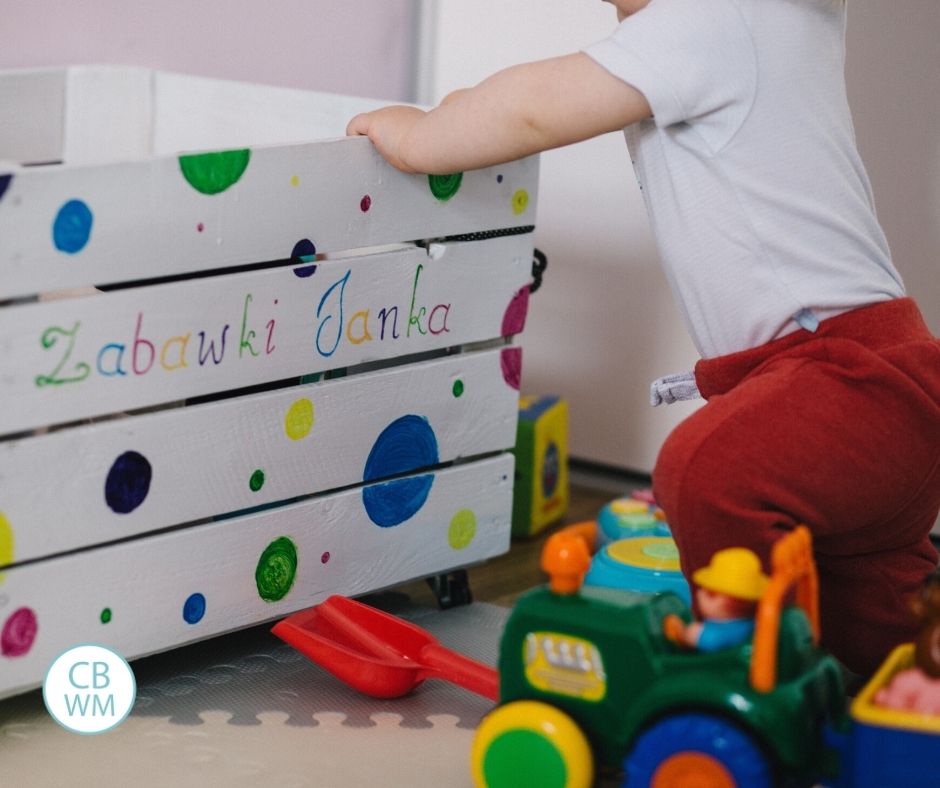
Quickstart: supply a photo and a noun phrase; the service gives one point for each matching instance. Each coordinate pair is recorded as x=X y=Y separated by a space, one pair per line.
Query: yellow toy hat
x=735 y=571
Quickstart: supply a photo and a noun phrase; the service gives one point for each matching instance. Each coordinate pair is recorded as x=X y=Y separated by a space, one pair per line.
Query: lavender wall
x=357 y=47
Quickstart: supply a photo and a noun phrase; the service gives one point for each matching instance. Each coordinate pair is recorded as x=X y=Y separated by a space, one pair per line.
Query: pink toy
x=911 y=690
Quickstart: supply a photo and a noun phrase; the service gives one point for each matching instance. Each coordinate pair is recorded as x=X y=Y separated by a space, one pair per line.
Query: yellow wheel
x=527 y=744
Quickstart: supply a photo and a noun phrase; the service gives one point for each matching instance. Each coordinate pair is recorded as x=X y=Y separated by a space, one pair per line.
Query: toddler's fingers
x=358 y=126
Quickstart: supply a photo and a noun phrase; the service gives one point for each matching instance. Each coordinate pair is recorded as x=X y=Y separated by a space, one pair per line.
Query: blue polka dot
x=4 y=184
x=405 y=445
x=72 y=227
x=128 y=482
x=194 y=608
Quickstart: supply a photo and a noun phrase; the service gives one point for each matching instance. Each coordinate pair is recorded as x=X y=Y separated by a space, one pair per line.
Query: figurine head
x=731 y=584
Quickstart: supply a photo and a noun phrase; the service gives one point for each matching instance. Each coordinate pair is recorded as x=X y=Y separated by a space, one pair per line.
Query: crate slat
x=121 y=478
x=79 y=357
x=70 y=226
x=145 y=584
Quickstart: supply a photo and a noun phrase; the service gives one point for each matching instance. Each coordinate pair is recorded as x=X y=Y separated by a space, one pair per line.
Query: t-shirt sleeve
x=693 y=60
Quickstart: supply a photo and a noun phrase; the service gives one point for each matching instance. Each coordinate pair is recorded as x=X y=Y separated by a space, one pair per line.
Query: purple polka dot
x=510 y=361
x=325 y=557
x=18 y=633
x=499 y=178
x=304 y=252
x=4 y=183
x=514 y=317
x=365 y=203
x=200 y=227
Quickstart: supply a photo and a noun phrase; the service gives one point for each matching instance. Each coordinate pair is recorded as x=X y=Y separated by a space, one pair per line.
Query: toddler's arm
x=522 y=110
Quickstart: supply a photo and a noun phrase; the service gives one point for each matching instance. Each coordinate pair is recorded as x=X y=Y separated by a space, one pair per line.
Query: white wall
x=604 y=323
x=356 y=47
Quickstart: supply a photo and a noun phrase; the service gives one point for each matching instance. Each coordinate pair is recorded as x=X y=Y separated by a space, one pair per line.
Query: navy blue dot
x=405 y=445
x=128 y=482
x=304 y=252
x=4 y=184
x=72 y=227
x=194 y=608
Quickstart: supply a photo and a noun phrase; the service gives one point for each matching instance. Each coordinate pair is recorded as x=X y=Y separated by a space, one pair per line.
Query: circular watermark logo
x=89 y=689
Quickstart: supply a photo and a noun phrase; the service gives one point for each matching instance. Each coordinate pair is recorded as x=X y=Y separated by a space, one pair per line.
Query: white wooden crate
x=231 y=382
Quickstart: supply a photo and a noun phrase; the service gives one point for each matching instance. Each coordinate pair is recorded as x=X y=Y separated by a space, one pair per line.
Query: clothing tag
x=674 y=388
x=805 y=319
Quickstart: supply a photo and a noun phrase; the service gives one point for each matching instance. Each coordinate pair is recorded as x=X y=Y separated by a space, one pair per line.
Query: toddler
x=821 y=380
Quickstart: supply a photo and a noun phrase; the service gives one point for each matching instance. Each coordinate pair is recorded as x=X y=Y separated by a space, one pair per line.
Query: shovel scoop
x=377 y=653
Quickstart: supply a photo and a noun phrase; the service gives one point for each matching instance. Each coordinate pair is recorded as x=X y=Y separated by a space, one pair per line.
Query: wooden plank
x=79 y=357
x=108 y=114
x=124 y=477
x=70 y=226
x=32 y=116
x=139 y=596
x=198 y=113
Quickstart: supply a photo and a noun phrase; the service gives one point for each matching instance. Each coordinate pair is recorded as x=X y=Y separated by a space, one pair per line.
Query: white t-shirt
x=757 y=196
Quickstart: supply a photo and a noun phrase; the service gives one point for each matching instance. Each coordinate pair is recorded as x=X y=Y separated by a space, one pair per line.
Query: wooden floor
x=501 y=580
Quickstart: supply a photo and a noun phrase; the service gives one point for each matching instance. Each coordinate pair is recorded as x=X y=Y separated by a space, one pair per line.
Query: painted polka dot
x=458 y=387
x=299 y=419
x=128 y=482
x=515 y=314
x=276 y=569
x=72 y=227
x=200 y=227
x=295 y=180
x=499 y=178
x=194 y=608
x=520 y=201
x=256 y=482
x=105 y=616
x=325 y=558
x=365 y=203
x=18 y=633
x=213 y=173
x=6 y=543
x=443 y=187
x=5 y=181
x=463 y=527
x=510 y=364
x=304 y=251
x=407 y=444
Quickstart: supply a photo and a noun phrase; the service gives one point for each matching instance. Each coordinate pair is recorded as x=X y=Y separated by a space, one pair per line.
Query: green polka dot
x=106 y=615
x=458 y=387
x=299 y=419
x=664 y=551
x=276 y=569
x=256 y=482
x=212 y=173
x=463 y=527
x=443 y=187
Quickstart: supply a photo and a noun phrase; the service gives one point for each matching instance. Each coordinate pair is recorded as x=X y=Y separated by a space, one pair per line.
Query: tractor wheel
x=697 y=750
x=527 y=744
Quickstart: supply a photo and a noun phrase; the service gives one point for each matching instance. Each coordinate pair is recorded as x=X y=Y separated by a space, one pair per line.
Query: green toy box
x=540 y=493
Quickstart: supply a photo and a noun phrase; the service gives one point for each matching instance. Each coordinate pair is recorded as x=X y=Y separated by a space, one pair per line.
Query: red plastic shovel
x=378 y=654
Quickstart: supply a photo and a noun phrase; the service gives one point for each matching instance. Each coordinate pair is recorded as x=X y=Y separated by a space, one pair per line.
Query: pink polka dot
x=325 y=557
x=200 y=227
x=510 y=361
x=18 y=633
x=514 y=316
x=365 y=203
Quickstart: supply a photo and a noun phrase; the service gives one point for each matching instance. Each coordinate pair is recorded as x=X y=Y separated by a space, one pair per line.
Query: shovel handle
x=440 y=662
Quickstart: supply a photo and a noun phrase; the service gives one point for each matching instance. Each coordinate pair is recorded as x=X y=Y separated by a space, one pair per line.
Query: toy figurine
x=727 y=595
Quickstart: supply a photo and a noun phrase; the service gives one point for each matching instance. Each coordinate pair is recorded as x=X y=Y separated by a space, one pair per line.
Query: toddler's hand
x=387 y=127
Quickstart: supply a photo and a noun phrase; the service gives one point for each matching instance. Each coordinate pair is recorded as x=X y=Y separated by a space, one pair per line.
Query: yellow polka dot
x=463 y=527
x=520 y=201
x=299 y=419
x=295 y=180
x=6 y=543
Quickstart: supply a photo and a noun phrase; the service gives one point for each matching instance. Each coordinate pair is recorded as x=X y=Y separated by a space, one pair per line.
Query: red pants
x=838 y=429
